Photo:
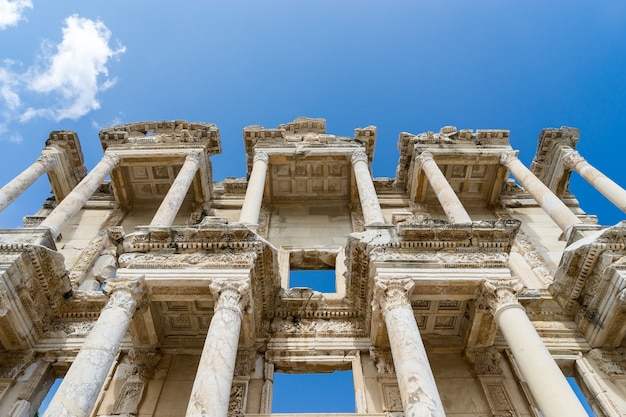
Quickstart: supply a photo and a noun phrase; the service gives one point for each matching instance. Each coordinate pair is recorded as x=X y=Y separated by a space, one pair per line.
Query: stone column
x=418 y=390
x=79 y=390
x=372 y=213
x=211 y=388
x=556 y=209
x=445 y=194
x=254 y=193
x=75 y=200
x=170 y=205
x=599 y=181
x=545 y=380
x=25 y=179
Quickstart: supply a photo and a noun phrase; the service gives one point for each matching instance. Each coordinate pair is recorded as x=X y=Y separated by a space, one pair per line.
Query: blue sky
x=400 y=65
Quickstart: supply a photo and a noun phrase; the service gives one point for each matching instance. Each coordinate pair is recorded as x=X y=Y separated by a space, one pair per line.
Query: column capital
x=47 y=161
x=358 y=155
x=231 y=294
x=571 y=158
x=194 y=156
x=261 y=156
x=507 y=157
x=501 y=293
x=393 y=292
x=111 y=159
x=126 y=293
x=423 y=157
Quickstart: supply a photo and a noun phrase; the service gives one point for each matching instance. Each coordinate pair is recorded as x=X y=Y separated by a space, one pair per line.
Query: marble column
x=25 y=179
x=607 y=187
x=76 y=199
x=372 y=213
x=545 y=379
x=448 y=199
x=418 y=390
x=554 y=207
x=79 y=390
x=170 y=205
x=211 y=388
x=254 y=193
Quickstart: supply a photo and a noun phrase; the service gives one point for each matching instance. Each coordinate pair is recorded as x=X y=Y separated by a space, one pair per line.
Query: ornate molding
x=231 y=294
x=485 y=361
x=393 y=292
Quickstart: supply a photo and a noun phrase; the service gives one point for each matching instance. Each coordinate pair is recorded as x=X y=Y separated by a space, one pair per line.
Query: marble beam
x=448 y=199
x=418 y=391
x=170 y=205
x=372 y=213
x=211 y=388
x=545 y=379
x=79 y=390
x=25 y=179
x=553 y=206
x=254 y=193
x=607 y=187
x=76 y=199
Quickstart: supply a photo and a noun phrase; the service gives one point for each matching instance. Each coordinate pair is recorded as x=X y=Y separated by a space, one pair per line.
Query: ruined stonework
x=468 y=285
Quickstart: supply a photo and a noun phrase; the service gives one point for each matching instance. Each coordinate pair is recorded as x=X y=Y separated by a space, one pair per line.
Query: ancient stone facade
x=468 y=285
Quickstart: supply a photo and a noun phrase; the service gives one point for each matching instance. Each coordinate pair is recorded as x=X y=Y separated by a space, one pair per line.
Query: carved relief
x=231 y=294
x=393 y=292
x=237 y=400
x=500 y=293
x=383 y=360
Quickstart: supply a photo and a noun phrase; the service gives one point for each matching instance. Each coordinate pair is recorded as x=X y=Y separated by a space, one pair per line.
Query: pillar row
x=545 y=379
x=553 y=206
x=25 y=179
x=606 y=186
x=76 y=199
x=211 y=388
x=372 y=213
x=170 y=205
x=79 y=390
x=448 y=199
x=418 y=390
x=254 y=193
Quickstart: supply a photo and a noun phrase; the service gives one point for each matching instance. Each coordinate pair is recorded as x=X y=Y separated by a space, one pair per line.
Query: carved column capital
x=422 y=158
x=571 y=158
x=126 y=293
x=393 y=292
x=357 y=156
x=261 y=156
x=194 y=156
x=507 y=157
x=111 y=159
x=47 y=161
x=231 y=294
x=498 y=294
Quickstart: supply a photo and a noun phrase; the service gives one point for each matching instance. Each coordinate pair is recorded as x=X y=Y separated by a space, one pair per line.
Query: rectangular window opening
x=322 y=280
x=314 y=393
x=579 y=393
x=46 y=401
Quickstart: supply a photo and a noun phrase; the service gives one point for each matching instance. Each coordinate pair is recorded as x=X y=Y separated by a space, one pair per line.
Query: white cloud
x=75 y=72
x=11 y=12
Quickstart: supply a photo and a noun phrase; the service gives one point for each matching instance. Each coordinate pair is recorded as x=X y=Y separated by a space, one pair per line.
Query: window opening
x=46 y=401
x=314 y=393
x=322 y=280
x=579 y=393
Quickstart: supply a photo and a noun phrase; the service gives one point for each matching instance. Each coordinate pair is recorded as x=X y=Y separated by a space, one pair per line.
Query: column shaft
x=545 y=380
x=554 y=207
x=448 y=199
x=418 y=390
x=254 y=193
x=76 y=199
x=79 y=390
x=606 y=186
x=372 y=213
x=211 y=388
x=170 y=205
x=25 y=179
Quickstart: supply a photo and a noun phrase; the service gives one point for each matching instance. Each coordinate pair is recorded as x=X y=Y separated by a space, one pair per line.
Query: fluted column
x=211 y=388
x=79 y=390
x=606 y=186
x=448 y=199
x=254 y=193
x=25 y=179
x=418 y=390
x=545 y=379
x=372 y=213
x=170 y=205
x=553 y=206
x=76 y=199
